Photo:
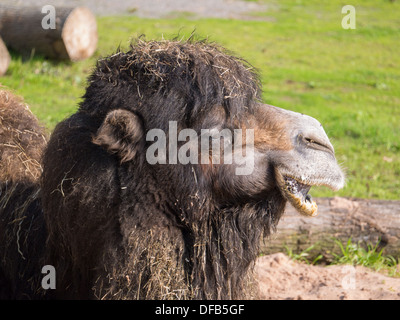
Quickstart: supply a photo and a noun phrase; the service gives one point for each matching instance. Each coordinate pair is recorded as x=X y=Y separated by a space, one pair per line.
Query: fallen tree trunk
x=364 y=221
x=4 y=58
x=60 y=33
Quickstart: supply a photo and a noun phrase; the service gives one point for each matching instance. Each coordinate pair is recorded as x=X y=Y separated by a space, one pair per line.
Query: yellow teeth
x=306 y=207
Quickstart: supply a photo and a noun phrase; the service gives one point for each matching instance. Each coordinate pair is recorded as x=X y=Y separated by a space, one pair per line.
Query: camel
x=118 y=226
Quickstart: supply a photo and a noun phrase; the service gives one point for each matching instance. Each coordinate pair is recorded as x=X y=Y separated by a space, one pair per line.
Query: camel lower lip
x=296 y=192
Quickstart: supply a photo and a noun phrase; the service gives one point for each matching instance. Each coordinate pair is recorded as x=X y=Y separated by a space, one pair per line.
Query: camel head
x=172 y=155
x=300 y=153
x=191 y=97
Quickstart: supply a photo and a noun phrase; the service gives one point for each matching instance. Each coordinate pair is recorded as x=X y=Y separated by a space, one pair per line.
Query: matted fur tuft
x=195 y=75
x=22 y=140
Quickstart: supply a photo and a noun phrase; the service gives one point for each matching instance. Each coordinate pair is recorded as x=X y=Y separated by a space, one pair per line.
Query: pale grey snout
x=312 y=156
x=306 y=131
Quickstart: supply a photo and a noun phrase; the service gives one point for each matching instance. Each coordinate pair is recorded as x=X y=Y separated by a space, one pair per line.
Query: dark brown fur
x=22 y=140
x=120 y=228
x=22 y=234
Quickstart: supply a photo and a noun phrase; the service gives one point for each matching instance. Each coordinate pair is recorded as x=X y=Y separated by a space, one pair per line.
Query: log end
x=80 y=34
x=4 y=58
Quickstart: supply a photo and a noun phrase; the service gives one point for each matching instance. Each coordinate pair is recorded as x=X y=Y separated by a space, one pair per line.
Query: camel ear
x=121 y=133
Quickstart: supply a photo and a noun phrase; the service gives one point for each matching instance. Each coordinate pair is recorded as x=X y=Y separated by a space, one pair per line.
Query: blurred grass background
x=348 y=79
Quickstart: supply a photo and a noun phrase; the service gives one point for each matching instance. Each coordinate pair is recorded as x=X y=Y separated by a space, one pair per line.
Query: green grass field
x=352 y=253
x=348 y=79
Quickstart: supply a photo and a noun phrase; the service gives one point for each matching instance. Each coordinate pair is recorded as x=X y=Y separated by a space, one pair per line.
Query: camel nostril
x=316 y=143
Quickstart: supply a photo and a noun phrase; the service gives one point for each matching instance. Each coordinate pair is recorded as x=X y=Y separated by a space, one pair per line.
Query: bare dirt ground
x=279 y=277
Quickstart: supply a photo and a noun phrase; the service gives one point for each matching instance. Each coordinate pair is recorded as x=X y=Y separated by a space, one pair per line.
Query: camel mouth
x=296 y=192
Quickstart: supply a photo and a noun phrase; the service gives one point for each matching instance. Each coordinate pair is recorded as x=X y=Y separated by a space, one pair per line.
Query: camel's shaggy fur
x=120 y=228
x=22 y=140
x=22 y=241
x=22 y=234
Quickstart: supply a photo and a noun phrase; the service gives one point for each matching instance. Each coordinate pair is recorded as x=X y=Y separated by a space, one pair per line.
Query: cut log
x=4 y=58
x=27 y=30
x=364 y=221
